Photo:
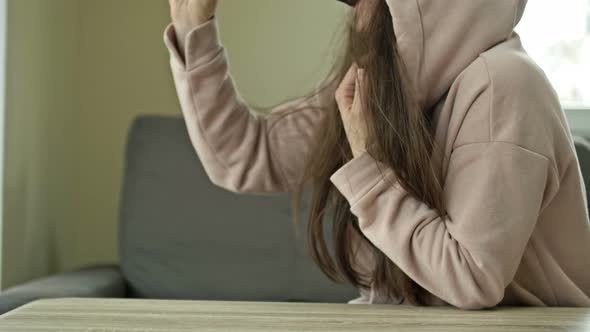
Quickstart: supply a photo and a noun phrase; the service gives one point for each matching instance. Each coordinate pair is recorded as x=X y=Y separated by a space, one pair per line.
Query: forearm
x=242 y=151
x=470 y=255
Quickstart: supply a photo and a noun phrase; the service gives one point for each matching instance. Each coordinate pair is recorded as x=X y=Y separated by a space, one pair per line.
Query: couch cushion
x=181 y=237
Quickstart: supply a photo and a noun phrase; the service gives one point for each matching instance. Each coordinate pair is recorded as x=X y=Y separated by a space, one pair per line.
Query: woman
x=438 y=144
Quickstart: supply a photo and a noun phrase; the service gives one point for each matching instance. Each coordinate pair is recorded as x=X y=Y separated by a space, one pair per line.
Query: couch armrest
x=99 y=281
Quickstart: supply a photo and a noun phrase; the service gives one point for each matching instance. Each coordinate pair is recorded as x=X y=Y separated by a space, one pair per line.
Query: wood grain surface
x=118 y=315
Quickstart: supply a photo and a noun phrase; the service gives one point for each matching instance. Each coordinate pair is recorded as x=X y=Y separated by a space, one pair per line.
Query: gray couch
x=183 y=238
x=180 y=237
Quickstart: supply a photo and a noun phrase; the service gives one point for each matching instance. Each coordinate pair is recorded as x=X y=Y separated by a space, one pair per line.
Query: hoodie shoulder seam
x=490 y=98
x=491 y=114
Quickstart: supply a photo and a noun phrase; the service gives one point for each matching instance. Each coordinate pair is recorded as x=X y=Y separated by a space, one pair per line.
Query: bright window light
x=557 y=35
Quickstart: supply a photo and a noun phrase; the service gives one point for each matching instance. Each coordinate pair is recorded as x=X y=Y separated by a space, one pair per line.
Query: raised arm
x=240 y=150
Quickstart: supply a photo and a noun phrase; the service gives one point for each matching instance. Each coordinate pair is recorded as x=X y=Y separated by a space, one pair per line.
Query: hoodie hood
x=438 y=39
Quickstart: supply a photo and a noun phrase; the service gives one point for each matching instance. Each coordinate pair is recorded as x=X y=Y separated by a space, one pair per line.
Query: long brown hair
x=400 y=136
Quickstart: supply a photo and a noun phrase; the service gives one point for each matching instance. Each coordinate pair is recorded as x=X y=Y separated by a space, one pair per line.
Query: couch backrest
x=183 y=238
x=583 y=152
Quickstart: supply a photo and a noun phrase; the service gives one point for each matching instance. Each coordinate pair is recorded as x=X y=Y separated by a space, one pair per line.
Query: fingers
x=346 y=90
x=192 y=13
x=350 y=74
x=354 y=112
x=176 y=3
x=358 y=85
x=176 y=8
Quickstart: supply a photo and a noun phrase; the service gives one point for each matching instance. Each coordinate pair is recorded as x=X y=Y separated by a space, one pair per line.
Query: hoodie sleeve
x=493 y=194
x=240 y=150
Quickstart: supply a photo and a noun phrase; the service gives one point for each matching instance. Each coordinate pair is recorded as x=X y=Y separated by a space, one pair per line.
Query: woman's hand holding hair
x=349 y=103
x=189 y=14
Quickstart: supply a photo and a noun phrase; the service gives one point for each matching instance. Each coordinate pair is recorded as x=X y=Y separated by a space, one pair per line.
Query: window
x=557 y=35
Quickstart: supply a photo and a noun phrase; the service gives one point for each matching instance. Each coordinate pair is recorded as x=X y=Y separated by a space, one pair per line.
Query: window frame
x=579 y=121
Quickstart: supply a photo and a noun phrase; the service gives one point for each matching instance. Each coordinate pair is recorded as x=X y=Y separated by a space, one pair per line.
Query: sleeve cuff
x=355 y=179
x=201 y=42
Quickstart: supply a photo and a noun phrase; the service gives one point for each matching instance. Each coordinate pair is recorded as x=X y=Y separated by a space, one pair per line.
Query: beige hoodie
x=517 y=230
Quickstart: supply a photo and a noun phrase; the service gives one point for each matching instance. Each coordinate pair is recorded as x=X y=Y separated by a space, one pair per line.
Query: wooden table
x=110 y=315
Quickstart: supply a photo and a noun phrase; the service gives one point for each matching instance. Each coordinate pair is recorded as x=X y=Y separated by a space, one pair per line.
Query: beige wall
x=40 y=124
x=123 y=73
x=280 y=48
x=115 y=67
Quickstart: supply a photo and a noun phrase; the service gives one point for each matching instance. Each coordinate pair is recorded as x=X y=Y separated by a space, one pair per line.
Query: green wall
x=40 y=125
x=81 y=70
